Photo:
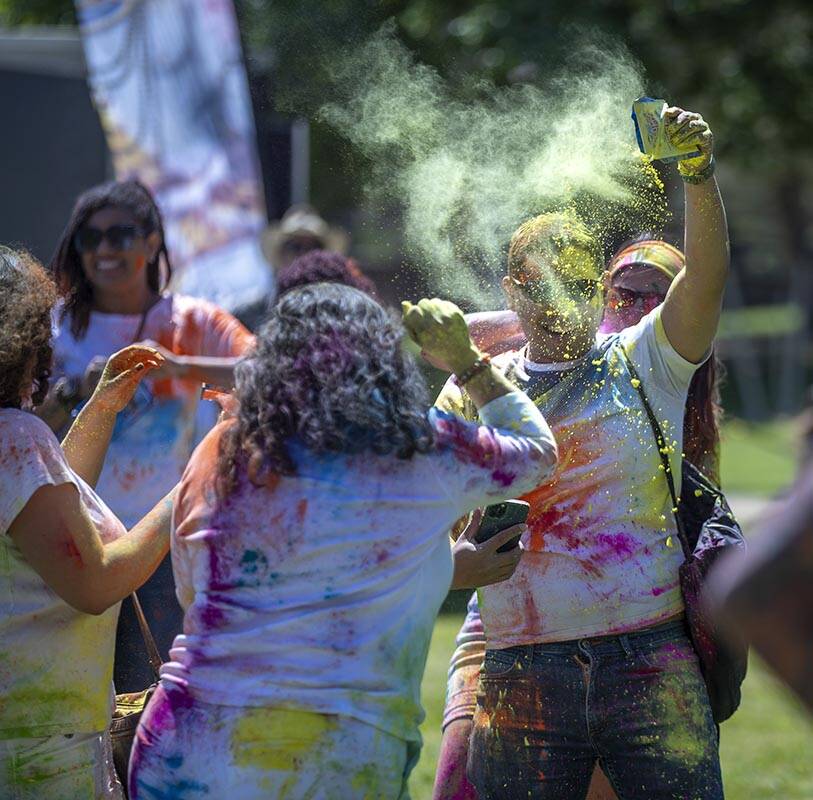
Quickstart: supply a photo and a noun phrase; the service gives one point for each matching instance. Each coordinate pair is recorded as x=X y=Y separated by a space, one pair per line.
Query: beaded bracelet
x=703 y=175
x=477 y=367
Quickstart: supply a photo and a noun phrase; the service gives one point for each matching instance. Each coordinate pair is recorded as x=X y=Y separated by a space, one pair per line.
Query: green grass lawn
x=758 y=459
x=767 y=746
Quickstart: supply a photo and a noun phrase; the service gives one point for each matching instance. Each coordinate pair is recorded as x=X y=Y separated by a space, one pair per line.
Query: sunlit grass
x=758 y=459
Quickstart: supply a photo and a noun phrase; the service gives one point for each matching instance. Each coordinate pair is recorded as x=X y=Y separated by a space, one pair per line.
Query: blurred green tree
x=748 y=64
x=37 y=12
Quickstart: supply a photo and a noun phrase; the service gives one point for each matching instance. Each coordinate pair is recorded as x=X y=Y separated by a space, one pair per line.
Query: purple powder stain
x=162 y=710
x=503 y=478
x=617 y=544
x=211 y=617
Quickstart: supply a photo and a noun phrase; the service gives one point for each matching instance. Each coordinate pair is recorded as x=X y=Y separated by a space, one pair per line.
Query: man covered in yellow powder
x=588 y=658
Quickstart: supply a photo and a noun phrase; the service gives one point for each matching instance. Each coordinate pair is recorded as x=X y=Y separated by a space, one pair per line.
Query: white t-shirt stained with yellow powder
x=56 y=663
x=602 y=552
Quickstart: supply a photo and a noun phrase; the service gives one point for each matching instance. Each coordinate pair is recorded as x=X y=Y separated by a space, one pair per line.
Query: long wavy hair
x=66 y=265
x=28 y=296
x=329 y=370
x=704 y=412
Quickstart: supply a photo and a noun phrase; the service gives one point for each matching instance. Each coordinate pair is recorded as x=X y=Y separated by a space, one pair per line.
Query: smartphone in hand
x=499 y=516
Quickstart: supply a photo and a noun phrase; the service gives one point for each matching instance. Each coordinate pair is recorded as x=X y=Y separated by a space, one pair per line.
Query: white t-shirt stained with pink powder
x=56 y=663
x=320 y=593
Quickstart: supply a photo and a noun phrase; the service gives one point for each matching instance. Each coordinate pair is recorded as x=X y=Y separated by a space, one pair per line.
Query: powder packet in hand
x=225 y=399
x=650 y=130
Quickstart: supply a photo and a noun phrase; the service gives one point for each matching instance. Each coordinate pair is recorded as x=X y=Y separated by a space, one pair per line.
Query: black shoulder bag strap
x=662 y=451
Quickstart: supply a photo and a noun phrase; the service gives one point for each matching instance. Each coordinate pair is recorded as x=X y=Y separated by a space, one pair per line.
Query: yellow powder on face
x=276 y=739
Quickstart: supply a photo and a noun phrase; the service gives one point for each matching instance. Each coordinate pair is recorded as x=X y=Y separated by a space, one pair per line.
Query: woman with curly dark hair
x=311 y=556
x=112 y=267
x=67 y=562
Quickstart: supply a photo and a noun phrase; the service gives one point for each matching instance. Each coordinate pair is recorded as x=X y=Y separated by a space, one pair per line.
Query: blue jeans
x=636 y=703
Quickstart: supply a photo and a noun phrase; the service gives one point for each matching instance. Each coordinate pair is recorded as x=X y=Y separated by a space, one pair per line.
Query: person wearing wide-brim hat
x=300 y=231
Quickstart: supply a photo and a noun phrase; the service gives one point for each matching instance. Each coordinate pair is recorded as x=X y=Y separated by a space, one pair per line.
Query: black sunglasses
x=545 y=292
x=621 y=297
x=119 y=237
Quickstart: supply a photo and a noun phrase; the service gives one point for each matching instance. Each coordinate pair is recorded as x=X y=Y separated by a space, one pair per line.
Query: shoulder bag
x=707 y=529
x=129 y=707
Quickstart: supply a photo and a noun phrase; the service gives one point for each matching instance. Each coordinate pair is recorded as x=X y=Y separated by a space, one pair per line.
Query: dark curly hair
x=28 y=296
x=328 y=368
x=323 y=266
x=66 y=265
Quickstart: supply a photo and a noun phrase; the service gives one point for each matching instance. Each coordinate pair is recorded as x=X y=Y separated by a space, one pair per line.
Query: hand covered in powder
x=478 y=565
x=439 y=329
x=689 y=128
x=172 y=365
x=121 y=376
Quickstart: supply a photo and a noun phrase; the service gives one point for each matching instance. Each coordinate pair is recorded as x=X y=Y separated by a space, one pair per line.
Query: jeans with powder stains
x=634 y=702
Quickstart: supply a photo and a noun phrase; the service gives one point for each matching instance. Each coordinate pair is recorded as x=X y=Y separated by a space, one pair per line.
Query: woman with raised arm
x=636 y=281
x=67 y=562
x=588 y=658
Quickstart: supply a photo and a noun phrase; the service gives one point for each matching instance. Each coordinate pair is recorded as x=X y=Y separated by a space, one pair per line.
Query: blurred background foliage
x=746 y=65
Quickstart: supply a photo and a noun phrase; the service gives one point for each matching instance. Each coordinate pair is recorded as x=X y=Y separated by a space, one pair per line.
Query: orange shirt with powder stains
x=154 y=436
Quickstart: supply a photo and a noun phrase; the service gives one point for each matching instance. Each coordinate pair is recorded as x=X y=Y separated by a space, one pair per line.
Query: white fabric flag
x=169 y=84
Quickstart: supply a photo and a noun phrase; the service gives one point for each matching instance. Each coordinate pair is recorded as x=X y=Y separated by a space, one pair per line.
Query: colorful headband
x=652 y=253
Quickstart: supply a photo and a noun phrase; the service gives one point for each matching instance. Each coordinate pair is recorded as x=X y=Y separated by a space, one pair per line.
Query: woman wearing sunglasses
x=66 y=559
x=635 y=283
x=112 y=267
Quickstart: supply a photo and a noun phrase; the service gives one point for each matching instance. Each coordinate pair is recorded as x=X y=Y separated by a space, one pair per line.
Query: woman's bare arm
x=58 y=539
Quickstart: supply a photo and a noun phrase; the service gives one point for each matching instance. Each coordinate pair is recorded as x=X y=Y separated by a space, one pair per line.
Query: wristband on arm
x=484 y=362
x=699 y=177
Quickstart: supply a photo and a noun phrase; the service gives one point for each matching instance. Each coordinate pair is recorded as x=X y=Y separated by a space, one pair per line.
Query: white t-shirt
x=154 y=436
x=320 y=593
x=602 y=552
x=56 y=663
